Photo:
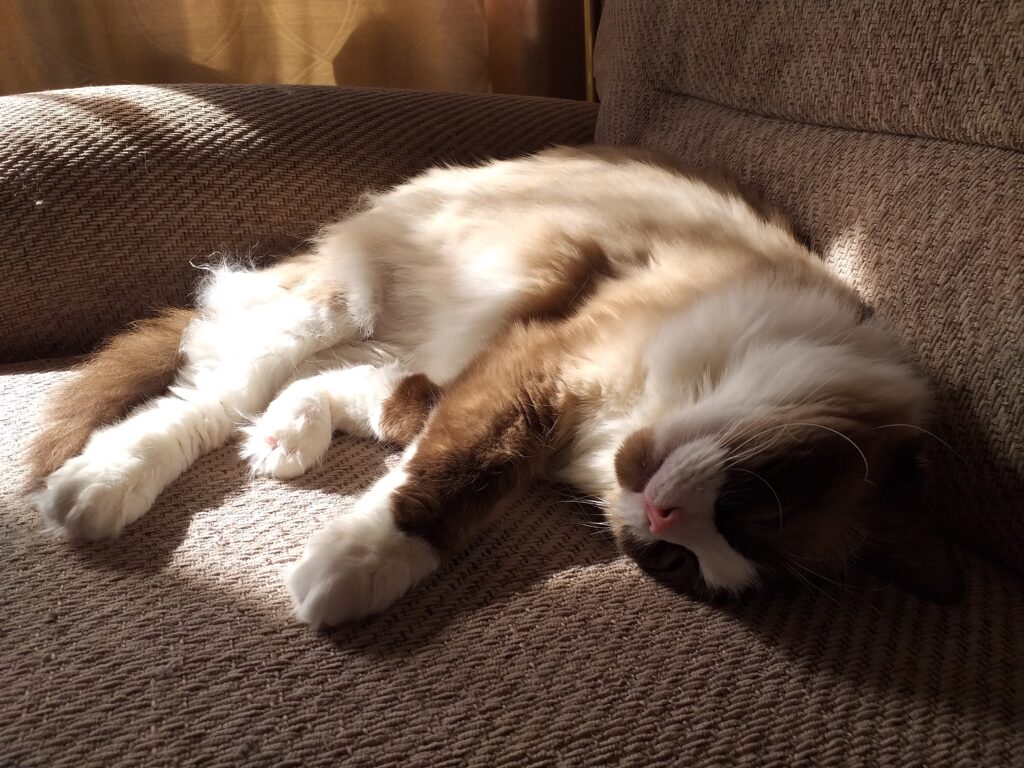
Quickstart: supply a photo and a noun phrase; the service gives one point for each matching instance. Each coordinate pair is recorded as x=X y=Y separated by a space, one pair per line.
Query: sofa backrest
x=111 y=197
x=893 y=135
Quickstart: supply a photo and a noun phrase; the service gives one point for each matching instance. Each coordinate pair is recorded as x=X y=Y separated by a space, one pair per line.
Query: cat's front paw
x=290 y=437
x=91 y=499
x=358 y=565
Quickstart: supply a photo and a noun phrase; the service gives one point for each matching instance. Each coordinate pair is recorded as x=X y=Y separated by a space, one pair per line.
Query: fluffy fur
x=609 y=318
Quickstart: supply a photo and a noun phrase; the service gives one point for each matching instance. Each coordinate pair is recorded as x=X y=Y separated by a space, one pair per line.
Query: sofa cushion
x=536 y=646
x=930 y=231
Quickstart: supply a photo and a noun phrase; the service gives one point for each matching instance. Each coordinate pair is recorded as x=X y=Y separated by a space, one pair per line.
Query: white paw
x=290 y=437
x=358 y=565
x=93 y=500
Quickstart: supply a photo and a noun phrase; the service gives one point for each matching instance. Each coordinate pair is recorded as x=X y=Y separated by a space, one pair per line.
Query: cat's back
x=465 y=250
x=497 y=224
x=595 y=192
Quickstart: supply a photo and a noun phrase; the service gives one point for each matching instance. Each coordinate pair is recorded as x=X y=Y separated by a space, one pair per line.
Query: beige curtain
x=504 y=46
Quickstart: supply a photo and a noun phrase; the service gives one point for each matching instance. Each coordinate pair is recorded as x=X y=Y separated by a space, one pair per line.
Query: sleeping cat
x=655 y=337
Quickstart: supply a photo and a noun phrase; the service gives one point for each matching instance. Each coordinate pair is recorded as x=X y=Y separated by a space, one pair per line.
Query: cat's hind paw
x=89 y=499
x=290 y=437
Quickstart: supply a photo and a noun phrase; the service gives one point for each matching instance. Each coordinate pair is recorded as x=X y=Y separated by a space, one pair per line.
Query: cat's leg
x=477 y=448
x=295 y=431
x=234 y=361
x=123 y=467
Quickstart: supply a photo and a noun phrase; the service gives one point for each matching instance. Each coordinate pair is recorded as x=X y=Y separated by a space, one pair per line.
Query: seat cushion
x=539 y=645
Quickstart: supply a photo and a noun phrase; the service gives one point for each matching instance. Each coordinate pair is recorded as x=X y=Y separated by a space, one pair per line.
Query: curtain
x=503 y=46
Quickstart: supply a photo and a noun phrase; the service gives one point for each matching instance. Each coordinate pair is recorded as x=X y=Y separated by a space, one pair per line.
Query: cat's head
x=716 y=503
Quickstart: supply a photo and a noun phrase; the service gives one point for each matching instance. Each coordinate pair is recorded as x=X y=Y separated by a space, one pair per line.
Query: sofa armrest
x=107 y=194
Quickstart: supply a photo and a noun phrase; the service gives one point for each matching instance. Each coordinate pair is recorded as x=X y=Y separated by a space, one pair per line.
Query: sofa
x=893 y=138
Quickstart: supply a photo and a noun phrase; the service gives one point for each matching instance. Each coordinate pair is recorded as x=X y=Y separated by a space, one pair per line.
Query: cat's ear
x=904 y=545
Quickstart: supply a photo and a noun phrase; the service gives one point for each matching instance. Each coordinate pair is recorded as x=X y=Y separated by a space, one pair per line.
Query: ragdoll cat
x=657 y=338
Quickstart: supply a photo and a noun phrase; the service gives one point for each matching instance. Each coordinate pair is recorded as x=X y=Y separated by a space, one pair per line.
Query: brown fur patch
x=406 y=411
x=800 y=490
x=635 y=461
x=565 y=279
x=820 y=491
x=130 y=368
x=494 y=430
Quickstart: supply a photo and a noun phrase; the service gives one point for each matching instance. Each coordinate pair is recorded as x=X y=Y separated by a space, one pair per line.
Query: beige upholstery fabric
x=108 y=194
x=943 y=69
x=537 y=646
x=930 y=231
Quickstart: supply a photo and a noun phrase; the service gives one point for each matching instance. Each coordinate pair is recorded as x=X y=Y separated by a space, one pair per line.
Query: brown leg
x=490 y=434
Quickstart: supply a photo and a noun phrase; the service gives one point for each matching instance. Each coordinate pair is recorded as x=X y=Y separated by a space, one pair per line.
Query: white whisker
x=930 y=434
x=863 y=457
x=777 y=499
x=752 y=452
x=814 y=587
x=823 y=577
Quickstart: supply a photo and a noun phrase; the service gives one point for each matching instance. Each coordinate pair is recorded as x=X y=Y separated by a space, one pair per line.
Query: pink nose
x=660 y=519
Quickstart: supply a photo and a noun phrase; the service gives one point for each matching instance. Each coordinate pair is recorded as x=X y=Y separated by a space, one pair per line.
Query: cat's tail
x=130 y=368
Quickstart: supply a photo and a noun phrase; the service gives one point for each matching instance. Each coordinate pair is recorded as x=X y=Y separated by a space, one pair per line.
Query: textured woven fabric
x=943 y=69
x=108 y=194
x=930 y=232
x=537 y=646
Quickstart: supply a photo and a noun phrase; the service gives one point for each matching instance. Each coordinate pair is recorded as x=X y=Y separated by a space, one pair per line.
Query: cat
x=655 y=336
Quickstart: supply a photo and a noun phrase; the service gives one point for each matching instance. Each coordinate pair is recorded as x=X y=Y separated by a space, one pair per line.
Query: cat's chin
x=690 y=555
x=672 y=565
x=668 y=563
